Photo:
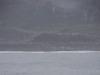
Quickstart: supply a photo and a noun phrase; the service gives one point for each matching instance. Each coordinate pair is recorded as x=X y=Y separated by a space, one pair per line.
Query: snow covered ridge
x=49 y=52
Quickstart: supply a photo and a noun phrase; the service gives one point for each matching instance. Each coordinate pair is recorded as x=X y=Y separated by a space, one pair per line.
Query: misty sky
x=25 y=21
x=16 y=12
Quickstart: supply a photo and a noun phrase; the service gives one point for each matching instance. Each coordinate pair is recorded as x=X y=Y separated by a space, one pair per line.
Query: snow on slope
x=87 y=63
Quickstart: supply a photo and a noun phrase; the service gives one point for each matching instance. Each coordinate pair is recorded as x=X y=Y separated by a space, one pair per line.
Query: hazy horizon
x=49 y=25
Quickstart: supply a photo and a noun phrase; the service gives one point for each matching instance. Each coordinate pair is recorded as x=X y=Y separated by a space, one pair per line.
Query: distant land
x=52 y=42
x=49 y=25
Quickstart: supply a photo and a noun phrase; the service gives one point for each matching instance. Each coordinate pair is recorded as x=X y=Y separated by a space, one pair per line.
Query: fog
x=32 y=12
x=22 y=20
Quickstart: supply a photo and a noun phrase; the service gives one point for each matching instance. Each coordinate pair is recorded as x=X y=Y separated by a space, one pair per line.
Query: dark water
x=49 y=25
